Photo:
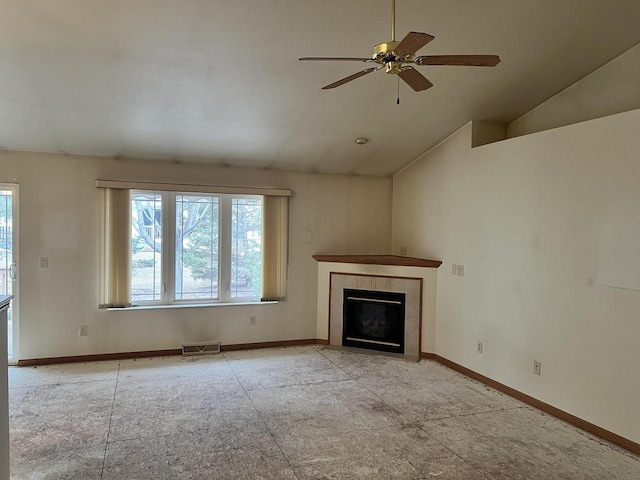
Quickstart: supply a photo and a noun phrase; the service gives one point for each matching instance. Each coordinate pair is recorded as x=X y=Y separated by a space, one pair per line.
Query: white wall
x=611 y=89
x=345 y=214
x=545 y=225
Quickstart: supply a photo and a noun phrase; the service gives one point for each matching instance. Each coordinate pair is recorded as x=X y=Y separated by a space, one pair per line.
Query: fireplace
x=341 y=286
x=413 y=277
x=374 y=320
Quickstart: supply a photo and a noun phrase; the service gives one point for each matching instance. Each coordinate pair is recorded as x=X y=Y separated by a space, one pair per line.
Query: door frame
x=15 y=245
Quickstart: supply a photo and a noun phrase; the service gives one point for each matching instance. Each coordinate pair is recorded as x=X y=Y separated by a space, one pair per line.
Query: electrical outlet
x=460 y=271
x=479 y=347
x=454 y=269
x=537 y=368
x=83 y=331
x=44 y=262
x=403 y=251
x=252 y=320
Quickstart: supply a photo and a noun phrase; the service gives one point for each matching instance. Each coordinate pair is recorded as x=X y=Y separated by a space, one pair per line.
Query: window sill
x=188 y=305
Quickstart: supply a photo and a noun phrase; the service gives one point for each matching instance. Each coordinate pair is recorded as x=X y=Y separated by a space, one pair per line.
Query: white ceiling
x=219 y=81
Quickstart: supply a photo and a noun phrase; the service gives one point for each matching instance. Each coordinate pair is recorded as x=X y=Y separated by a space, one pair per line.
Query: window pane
x=197 y=231
x=6 y=258
x=246 y=248
x=146 y=247
x=6 y=247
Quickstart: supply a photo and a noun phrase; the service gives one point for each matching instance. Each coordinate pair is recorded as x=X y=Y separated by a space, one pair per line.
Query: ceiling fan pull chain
x=398 y=100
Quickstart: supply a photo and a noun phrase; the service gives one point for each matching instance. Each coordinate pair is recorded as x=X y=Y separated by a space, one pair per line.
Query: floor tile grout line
x=469 y=463
x=465 y=461
x=480 y=412
x=616 y=448
x=261 y=418
x=25 y=397
x=113 y=403
x=322 y=382
x=450 y=449
x=58 y=384
x=367 y=389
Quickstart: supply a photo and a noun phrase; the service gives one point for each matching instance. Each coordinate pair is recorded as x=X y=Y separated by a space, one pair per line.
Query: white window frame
x=168 y=255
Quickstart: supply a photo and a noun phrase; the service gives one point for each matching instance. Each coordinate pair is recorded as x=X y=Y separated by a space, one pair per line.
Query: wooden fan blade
x=415 y=79
x=337 y=59
x=459 y=60
x=413 y=42
x=350 y=77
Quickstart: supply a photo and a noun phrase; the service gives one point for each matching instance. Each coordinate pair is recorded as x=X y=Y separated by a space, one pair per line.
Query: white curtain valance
x=177 y=187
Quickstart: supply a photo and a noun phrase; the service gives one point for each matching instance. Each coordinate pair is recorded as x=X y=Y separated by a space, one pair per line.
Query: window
x=146 y=247
x=195 y=247
x=246 y=247
x=162 y=244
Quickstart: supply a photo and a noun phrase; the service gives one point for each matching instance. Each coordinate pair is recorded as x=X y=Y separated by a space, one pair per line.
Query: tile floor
x=288 y=413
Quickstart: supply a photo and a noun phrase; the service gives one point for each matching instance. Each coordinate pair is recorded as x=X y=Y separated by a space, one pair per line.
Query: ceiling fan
x=393 y=55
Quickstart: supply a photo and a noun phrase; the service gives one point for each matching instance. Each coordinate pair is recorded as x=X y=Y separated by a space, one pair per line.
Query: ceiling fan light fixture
x=362 y=141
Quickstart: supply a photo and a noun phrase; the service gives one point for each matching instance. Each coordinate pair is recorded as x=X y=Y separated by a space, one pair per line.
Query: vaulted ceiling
x=220 y=82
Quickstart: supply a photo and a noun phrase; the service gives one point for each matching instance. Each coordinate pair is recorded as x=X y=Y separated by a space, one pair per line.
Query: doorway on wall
x=9 y=260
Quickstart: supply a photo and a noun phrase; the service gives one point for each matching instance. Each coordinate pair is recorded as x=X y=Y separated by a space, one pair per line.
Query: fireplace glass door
x=373 y=320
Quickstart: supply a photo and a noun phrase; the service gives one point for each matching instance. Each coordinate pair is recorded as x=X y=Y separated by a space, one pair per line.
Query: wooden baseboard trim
x=282 y=343
x=534 y=402
x=100 y=357
x=428 y=356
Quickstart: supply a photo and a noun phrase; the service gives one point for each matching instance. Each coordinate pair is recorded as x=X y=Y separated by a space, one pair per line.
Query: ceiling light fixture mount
x=362 y=140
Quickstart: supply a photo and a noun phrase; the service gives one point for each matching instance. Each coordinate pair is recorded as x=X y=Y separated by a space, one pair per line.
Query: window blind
x=275 y=231
x=115 y=248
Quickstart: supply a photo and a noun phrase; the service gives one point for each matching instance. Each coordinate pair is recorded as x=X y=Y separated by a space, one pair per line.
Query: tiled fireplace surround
x=411 y=287
x=417 y=281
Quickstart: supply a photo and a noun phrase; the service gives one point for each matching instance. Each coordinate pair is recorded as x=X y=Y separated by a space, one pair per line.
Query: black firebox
x=373 y=320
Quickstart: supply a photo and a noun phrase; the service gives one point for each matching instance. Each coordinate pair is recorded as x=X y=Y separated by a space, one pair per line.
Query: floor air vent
x=200 y=348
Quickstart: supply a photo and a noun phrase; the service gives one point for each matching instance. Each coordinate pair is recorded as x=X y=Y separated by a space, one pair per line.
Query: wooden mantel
x=396 y=260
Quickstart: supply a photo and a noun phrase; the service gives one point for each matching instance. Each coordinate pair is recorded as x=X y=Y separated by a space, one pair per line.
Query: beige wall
x=547 y=227
x=611 y=89
x=345 y=214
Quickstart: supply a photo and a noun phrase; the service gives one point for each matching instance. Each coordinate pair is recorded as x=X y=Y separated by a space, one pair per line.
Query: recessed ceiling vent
x=189 y=349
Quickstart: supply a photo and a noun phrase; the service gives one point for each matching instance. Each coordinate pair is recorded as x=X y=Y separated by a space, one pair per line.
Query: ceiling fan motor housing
x=386 y=47
x=384 y=55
